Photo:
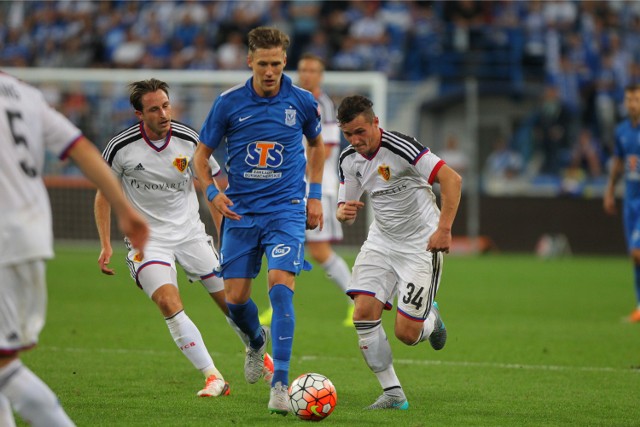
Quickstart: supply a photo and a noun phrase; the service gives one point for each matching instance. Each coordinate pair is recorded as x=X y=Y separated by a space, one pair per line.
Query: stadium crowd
x=584 y=52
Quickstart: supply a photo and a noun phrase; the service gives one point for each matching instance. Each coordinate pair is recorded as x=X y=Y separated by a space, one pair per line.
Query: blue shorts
x=278 y=235
x=632 y=228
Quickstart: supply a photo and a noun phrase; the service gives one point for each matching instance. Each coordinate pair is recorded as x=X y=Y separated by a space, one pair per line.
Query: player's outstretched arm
x=130 y=221
x=450 y=192
x=203 y=171
x=609 y=199
x=315 y=169
x=102 y=215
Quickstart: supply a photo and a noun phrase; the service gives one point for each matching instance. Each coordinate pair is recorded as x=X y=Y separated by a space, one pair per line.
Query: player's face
x=309 y=74
x=267 y=66
x=156 y=114
x=632 y=104
x=363 y=134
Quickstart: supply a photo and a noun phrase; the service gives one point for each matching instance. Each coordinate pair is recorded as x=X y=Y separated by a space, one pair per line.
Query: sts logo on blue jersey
x=264 y=154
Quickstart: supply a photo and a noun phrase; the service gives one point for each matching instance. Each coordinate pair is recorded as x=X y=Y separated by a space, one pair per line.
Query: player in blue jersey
x=265 y=205
x=626 y=160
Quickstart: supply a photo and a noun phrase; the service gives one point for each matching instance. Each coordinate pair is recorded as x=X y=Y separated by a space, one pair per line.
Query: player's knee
x=169 y=304
x=407 y=336
x=635 y=256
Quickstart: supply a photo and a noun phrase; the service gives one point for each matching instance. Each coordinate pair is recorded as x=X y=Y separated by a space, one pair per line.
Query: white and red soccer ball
x=312 y=397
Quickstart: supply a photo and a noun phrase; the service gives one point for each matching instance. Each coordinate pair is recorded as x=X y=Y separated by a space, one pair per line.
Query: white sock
x=428 y=326
x=189 y=340
x=243 y=337
x=31 y=398
x=338 y=271
x=376 y=350
x=6 y=413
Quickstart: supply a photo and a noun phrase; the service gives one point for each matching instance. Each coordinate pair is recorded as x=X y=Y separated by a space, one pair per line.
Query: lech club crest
x=290 y=117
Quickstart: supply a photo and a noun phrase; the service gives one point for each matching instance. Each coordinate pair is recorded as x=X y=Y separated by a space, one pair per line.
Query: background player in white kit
x=153 y=160
x=403 y=252
x=318 y=242
x=29 y=127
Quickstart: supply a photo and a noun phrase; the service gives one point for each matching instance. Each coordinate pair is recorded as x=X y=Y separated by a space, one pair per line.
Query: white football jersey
x=159 y=180
x=331 y=139
x=398 y=179
x=28 y=128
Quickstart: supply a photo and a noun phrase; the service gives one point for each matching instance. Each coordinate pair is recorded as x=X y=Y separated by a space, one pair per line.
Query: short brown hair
x=352 y=106
x=632 y=87
x=267 y=38
x=142 y=87
x=312 y=57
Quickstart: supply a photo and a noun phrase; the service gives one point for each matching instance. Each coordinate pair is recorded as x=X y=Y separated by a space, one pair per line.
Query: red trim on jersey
x=353 y=292
x=8 y=352
x=426 y=150
x=435 y=170
x=377 y=149
x=73 y=142
x=151 y=144
x=408 y=316
x=206 y=276
x=145 y=265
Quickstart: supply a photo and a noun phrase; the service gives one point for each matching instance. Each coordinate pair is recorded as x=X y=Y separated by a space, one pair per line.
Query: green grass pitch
x=531 y=343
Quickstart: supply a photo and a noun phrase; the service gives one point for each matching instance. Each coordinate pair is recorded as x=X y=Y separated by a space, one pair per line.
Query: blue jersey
x=265 y=156
x=627 y=148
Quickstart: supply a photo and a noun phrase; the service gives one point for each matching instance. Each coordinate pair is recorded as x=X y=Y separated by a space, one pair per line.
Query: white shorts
x=23 y=305
x=413 y=277
x=332 y=229
x=197 y=257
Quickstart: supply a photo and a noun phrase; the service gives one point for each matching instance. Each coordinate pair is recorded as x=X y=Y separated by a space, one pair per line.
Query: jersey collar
x=151 y=144
x=285 y=89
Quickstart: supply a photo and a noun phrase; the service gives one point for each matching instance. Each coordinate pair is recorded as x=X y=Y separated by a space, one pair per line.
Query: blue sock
x=246 y=317
x=283 y=324
x=636 y=277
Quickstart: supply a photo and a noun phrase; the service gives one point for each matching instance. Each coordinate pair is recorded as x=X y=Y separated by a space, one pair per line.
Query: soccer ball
x=312 y=397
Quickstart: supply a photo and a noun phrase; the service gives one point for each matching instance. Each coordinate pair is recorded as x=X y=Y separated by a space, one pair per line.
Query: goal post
x=97 y=101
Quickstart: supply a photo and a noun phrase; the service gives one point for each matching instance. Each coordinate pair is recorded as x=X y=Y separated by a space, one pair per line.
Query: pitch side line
x=309 y=358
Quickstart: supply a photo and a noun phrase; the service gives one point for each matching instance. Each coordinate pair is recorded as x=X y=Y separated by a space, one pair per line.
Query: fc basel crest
x=384 y=172
x=181 y=163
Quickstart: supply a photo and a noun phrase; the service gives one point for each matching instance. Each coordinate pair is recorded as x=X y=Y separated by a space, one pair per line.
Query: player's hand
x=348 y=211
x=104 y=259
x=315 y=217
x=609 y=204
x=221 y=202
x=440 y=241
x=135 y=227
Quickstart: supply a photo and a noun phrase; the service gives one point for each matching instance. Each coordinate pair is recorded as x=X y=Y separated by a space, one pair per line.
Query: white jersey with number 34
x=398 y=179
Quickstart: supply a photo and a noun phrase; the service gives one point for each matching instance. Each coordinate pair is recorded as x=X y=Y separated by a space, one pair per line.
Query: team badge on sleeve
x=385 y=172
x=181 y=163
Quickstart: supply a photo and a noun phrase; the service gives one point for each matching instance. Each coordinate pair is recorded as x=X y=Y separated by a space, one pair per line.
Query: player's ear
x=139 y=115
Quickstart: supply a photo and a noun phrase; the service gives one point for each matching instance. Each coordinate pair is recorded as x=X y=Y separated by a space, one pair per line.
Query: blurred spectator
x=503 y=163
x=587 y=154
x=129 y=53
x=197 y=57
x=455 y=156
x=15 y=52
x=304 y=17
x=553 y=128
x=348 y=58
x=232 y=54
